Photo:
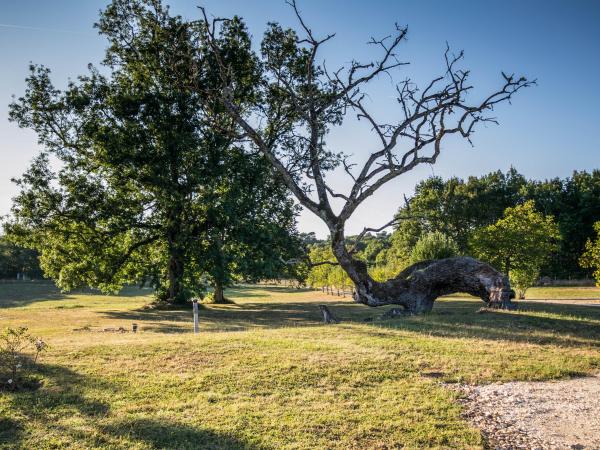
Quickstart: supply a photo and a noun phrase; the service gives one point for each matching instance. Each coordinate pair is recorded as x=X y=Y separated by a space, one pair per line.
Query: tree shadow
x=62 y=389
x=169 y=434
x=64 y=395
x=243 y=289
x=240 y=316
x=22 y=293
x=542 y=323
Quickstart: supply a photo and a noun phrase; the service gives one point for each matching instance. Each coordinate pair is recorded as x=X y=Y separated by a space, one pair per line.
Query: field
x=264 y=373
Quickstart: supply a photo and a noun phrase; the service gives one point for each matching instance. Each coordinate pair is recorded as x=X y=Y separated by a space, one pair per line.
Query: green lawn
x=551 y=293
x=264 y=373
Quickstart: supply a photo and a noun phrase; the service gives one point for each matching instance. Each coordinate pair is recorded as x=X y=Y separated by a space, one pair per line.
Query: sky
x=548 y=131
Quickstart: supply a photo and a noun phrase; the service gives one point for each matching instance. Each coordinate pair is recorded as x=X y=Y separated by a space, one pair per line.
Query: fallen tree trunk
x=417 y=287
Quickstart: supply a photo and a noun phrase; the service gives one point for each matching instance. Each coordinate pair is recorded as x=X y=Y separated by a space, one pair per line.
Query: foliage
x=523 y=279
x=434 y=245
x=19 y=352
x=18 y=261
x=575 y=202
x=152 y=185
x=458 y=207
x=519 y=243
x=591 y=257
x=326 y=275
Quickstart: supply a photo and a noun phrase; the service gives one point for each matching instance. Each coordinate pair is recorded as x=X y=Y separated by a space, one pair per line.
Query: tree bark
x=176 y=269
x=175 y=292
x=218 y=294
x=418 y=286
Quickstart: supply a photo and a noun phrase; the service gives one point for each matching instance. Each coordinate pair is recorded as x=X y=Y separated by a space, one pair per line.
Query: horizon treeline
x=457 y=207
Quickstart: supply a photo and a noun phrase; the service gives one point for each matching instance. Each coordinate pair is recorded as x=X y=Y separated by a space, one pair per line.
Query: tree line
x=528 y=227
x=153 y=185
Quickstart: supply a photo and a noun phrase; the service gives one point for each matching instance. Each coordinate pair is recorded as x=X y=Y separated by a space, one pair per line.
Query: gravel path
x=537 y=415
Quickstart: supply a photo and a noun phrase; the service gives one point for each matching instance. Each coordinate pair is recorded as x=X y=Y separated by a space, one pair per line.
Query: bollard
x=195 y=307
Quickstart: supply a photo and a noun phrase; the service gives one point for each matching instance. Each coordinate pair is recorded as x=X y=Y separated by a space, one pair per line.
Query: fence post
x=195 y=307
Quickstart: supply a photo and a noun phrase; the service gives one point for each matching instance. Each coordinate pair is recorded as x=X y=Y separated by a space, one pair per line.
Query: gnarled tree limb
x=316 y=100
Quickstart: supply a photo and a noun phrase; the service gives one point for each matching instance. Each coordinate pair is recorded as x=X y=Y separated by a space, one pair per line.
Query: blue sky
x=549 y=130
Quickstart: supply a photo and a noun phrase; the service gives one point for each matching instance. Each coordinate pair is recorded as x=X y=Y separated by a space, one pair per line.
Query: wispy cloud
x=50 y=30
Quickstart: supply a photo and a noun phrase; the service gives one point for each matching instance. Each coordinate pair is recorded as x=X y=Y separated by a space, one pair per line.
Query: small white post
x=195 y=306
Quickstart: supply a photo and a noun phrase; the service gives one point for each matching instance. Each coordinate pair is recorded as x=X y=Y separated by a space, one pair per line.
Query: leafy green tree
x=151 y=184
x=524 y=278
x=374 y=246
x=590 y=259
x=457 y=207
x=519 y=243
x=319 y=274
x=18 y=261
x=434 y=245
x=575 y=202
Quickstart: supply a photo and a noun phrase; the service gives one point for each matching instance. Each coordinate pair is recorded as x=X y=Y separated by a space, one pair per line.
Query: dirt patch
x=536 y=415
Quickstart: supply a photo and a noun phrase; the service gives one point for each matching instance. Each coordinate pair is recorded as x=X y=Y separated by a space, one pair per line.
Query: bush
x=523 y=279
x=19 y=352
x=434 y=245
x=209 y=299
x=591 y=256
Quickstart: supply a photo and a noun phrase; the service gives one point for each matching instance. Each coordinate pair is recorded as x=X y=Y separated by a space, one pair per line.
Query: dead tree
x=299 y=100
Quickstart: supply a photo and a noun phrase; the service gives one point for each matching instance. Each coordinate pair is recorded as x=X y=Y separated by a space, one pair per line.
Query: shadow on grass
x=168 y=434
x=62 y=390
x=243 y=290
x=22 y=293
x=543 y=323
x=235 y=317
x=565 y=325
x=70 y=396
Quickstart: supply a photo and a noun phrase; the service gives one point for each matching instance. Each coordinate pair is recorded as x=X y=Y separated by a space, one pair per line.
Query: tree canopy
x=152 y=183
x=518 y=243
x=457 y=207
x=17 y=261
x=591 y=257
x=434 y=245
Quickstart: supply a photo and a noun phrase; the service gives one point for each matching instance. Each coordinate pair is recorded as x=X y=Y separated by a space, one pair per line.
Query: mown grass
x=264 y=373
x=553 y=293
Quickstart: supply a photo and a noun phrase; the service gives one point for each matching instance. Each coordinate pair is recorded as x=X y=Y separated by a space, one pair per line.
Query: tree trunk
x=218 y=294
x=175 y=290
x=417 y=287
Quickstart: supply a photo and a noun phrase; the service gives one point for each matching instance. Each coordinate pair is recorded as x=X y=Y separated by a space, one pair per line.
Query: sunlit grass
x=265 y=373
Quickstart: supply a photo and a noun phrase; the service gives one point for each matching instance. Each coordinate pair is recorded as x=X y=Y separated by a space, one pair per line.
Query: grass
x=265 y=374
x=553 y=293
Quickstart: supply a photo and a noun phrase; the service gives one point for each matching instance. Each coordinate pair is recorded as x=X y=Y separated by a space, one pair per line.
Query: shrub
x=523 y=279
x=209 y=299
x=435 y=245
x=19 y=352
x=591 y=257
